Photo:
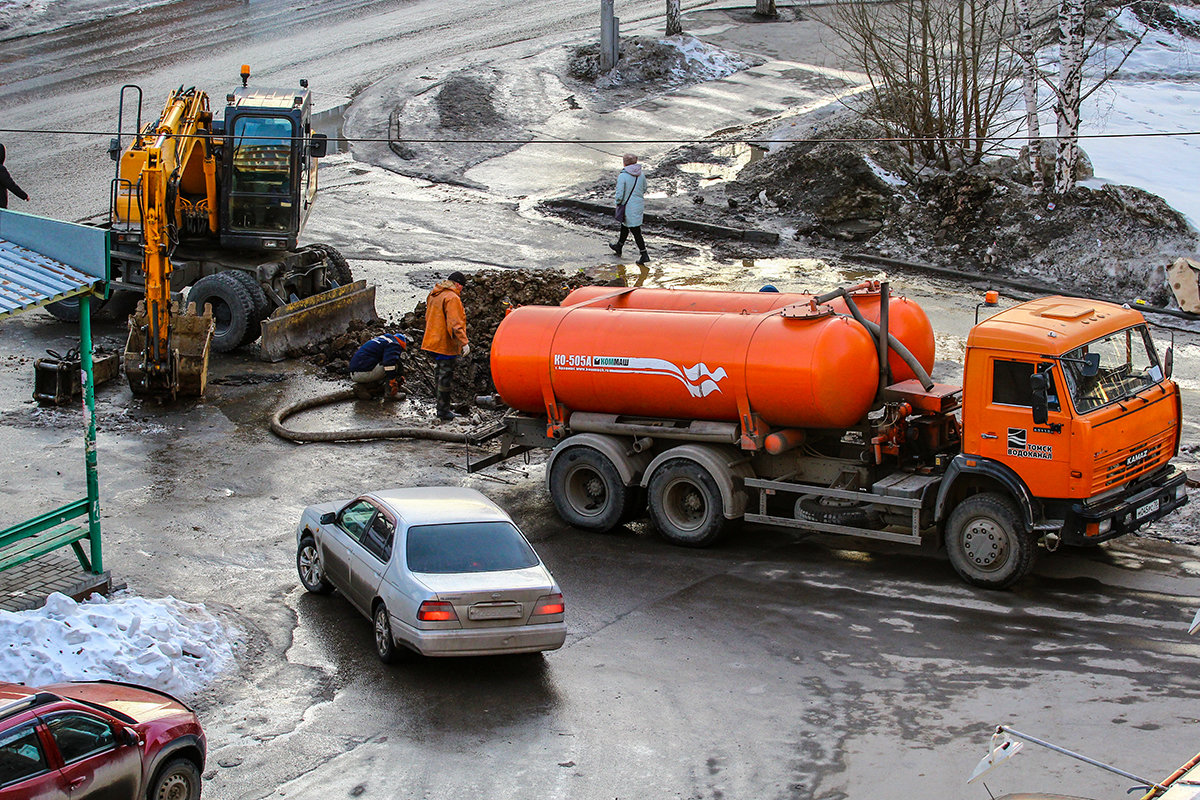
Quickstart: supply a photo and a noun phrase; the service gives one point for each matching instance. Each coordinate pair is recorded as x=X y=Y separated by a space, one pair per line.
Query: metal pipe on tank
x=884 y=298
x=896 y=345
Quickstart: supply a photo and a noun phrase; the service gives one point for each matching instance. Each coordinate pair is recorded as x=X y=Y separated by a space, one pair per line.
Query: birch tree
x=765 y=8
x=1029 y=84
x=674 y=23
x=1075 y=52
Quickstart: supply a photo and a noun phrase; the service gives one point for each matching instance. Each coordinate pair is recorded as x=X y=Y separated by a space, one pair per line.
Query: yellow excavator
x=213 y=203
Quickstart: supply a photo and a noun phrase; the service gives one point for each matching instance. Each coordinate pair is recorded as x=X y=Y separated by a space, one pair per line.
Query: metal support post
x=89 y=438
x=610 y=45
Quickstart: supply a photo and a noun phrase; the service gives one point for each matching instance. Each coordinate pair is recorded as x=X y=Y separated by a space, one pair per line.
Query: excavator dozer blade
x=184 y=373
x=300 y=325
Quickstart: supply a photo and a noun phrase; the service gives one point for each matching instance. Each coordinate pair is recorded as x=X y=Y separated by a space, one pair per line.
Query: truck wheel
x=987 y=544
x=811 y=508
x=232 y=308
x=588 y=491
x=685 y=504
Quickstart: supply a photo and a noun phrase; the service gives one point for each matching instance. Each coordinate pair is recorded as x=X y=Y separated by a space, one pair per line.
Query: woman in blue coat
x=630 y=194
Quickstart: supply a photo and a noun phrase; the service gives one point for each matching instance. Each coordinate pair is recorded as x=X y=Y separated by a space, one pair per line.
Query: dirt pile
x=984 y=218
x=486 y=297
x=658 y=64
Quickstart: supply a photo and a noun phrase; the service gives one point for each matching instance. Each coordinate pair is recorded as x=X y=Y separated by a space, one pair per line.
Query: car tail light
x=436 y=611
x=549 y=604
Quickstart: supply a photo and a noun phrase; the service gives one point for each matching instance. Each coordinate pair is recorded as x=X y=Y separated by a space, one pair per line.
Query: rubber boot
x=643 y=258
x=443 y=407
x=616 y=248
x=365 y=391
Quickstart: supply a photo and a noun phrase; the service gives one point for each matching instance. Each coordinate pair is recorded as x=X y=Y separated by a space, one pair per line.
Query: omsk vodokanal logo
x=699 y=380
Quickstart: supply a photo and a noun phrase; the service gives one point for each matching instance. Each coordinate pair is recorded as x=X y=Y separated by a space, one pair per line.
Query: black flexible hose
x=897 y=346
x=358 y=435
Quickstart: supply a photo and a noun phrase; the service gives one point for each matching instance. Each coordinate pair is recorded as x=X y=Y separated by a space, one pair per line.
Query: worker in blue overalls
x=375 y=367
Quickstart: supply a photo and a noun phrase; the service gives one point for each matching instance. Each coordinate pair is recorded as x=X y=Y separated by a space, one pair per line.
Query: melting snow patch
x=890 y=178
x=165 y=644
x=705 y=62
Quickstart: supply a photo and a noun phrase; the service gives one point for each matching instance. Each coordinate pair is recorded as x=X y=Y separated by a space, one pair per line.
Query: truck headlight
x=1105 y=526
x=1181 y=491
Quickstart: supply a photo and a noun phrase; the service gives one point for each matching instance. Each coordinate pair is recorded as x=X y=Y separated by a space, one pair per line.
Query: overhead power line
x=700 y=140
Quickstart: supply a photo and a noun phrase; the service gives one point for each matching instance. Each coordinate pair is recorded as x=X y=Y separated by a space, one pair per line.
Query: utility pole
x=610 y=41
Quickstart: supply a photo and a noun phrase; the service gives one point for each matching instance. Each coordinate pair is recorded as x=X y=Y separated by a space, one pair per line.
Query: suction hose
x=361 y=434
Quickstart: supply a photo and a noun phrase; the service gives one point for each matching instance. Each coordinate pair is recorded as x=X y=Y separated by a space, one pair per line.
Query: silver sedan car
x=440 y=571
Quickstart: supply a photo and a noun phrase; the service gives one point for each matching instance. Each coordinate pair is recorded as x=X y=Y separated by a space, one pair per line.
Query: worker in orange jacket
x=446 y=335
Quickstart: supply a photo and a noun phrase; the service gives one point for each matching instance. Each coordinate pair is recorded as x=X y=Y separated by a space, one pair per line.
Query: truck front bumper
x=1125 y=513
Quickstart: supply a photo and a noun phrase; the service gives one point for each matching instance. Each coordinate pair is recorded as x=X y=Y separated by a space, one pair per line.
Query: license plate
x=497 y=611
x=1147 y=510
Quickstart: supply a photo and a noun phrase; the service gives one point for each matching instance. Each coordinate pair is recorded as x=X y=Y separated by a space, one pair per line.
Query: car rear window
x=468 y=547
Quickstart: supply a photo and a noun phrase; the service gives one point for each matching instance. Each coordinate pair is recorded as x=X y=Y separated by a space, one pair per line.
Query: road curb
x=690 y=225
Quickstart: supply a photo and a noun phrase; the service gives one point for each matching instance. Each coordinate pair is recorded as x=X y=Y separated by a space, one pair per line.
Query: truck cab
x=1068 y=408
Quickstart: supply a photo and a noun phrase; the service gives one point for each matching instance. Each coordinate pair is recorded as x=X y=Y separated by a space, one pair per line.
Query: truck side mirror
x=1038 y=384
x=328 y=517
x=1169 y=361
x=1091 y=365
x=318 y=145
x=114 y=149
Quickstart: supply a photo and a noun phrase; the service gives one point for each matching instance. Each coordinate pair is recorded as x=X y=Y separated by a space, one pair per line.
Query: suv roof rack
x=25 y=703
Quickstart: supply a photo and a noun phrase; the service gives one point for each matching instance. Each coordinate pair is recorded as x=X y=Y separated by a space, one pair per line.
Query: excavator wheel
x=339 y=268
x=232 y=306
x=262 y=306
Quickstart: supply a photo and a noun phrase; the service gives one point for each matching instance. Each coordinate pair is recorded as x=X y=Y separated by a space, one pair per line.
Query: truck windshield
x=1128 y=364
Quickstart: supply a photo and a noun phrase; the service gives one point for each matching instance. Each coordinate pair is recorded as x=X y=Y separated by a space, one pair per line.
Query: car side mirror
x=1169 y=361
x=1039 y=384
x=1091 y=365
x=318 y=145
x=130 y=737
x=328 y=518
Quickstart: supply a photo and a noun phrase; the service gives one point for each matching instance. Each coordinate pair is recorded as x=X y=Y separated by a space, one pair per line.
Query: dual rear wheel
x=684 y=501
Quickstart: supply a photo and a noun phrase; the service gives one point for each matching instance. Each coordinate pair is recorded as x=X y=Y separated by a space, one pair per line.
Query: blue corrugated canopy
x=45 y=260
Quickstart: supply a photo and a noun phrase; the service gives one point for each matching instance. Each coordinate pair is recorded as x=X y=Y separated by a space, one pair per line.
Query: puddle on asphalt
x=729 y=159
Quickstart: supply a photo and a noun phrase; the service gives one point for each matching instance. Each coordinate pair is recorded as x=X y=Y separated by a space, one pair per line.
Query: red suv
x=99 y=741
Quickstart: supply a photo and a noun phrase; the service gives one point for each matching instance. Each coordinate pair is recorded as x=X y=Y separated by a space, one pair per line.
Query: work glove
x=466 y=351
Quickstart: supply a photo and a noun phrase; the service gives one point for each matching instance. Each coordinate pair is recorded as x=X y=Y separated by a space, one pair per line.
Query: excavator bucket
x=297 y=326
x=185 y=372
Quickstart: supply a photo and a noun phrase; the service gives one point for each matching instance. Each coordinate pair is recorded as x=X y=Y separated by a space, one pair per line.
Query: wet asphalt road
x=773 y=665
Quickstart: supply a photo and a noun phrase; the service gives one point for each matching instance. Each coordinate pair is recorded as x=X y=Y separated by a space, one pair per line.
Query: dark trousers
x=445 y=374
x=637 y=237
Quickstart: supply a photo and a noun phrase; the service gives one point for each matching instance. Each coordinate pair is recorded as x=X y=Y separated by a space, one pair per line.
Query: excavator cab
x=213 y=203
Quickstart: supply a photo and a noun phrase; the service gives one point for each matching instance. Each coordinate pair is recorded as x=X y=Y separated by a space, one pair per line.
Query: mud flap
x=300 y=325
x=185 y=373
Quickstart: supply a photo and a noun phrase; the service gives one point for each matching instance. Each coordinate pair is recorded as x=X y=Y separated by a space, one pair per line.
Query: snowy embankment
x=1157 y=90
x=165 y=644
x=704 y=62
x=29 y=17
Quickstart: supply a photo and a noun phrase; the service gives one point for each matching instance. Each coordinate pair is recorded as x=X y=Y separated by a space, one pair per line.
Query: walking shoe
x=643 y=259
x=446 y=416
x=616 y=248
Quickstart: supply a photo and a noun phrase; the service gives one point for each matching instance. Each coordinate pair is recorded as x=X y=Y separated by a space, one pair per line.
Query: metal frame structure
x=43 y=261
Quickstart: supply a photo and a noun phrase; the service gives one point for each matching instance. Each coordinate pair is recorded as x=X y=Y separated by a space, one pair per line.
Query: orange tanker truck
x=818 y=412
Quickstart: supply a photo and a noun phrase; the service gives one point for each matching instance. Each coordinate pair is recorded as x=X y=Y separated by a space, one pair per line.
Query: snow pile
x=1157 y=90
x=28 y=17
x=704 y=62
x=165 y=644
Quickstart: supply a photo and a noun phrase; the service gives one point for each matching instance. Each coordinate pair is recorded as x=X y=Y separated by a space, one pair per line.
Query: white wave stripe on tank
x=699 y=380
